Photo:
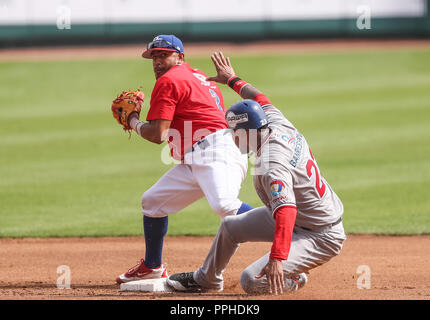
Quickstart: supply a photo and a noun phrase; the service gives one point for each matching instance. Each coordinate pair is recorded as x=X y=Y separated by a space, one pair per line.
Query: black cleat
x=183 y=282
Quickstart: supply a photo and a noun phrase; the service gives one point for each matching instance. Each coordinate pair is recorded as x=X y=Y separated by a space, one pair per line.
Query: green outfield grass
x=67 y=169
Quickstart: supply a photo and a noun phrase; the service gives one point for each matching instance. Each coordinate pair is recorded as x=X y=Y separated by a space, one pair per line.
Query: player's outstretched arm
x=226 y=75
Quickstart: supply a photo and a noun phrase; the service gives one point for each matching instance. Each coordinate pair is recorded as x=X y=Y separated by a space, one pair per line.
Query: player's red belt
x=322 y=229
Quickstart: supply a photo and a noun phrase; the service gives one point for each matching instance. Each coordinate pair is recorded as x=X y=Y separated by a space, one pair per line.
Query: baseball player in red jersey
x=188 y=112
x=301 y=216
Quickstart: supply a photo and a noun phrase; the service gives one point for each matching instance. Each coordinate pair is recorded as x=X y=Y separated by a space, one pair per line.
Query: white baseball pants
x=215 y=170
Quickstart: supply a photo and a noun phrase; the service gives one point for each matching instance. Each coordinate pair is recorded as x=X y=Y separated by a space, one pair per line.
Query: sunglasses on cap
x=163 y=44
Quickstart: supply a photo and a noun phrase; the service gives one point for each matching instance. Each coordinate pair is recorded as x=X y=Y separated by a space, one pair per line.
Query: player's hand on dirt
x=275 y=276
x=223 y=68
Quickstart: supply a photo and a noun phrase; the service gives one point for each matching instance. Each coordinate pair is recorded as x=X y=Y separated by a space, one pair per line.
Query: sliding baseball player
x=301 y=216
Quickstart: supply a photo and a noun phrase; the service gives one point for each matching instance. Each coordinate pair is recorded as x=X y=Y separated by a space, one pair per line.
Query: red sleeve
x=262 y=99
x=164 y=99
x=285 y=219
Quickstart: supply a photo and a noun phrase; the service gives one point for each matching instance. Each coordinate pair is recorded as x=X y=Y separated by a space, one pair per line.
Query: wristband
x=133 y=122
x=139 y=126
x=232 y=81
x=236 y=84
x=136 y=125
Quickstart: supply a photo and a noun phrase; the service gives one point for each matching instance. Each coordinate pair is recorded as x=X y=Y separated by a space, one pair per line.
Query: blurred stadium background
x=32 y=22
x=364 y=109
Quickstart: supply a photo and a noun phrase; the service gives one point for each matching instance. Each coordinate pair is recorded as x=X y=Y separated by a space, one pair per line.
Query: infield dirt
x=28 y=267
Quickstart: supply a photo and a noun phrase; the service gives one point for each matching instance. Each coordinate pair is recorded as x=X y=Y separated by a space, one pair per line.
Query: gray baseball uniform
x=286 y=174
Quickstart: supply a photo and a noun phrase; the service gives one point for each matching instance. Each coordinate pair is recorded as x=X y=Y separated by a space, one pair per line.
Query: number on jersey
x=203 y=82
x=319 y=184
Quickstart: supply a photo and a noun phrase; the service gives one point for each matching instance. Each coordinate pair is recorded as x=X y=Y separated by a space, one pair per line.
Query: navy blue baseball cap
x=164 y=43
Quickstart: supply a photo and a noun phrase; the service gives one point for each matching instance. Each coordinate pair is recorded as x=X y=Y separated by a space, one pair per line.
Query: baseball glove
x=125 y=104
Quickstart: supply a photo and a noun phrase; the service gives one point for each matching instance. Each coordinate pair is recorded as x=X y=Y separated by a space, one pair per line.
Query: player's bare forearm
x=149 y=132
x=249 y=92
x=155 y=131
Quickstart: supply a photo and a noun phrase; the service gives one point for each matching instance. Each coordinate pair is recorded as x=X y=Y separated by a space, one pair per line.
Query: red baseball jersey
x=195 y=107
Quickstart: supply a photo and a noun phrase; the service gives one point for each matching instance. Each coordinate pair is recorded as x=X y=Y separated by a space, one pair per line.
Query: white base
x=149 y=285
